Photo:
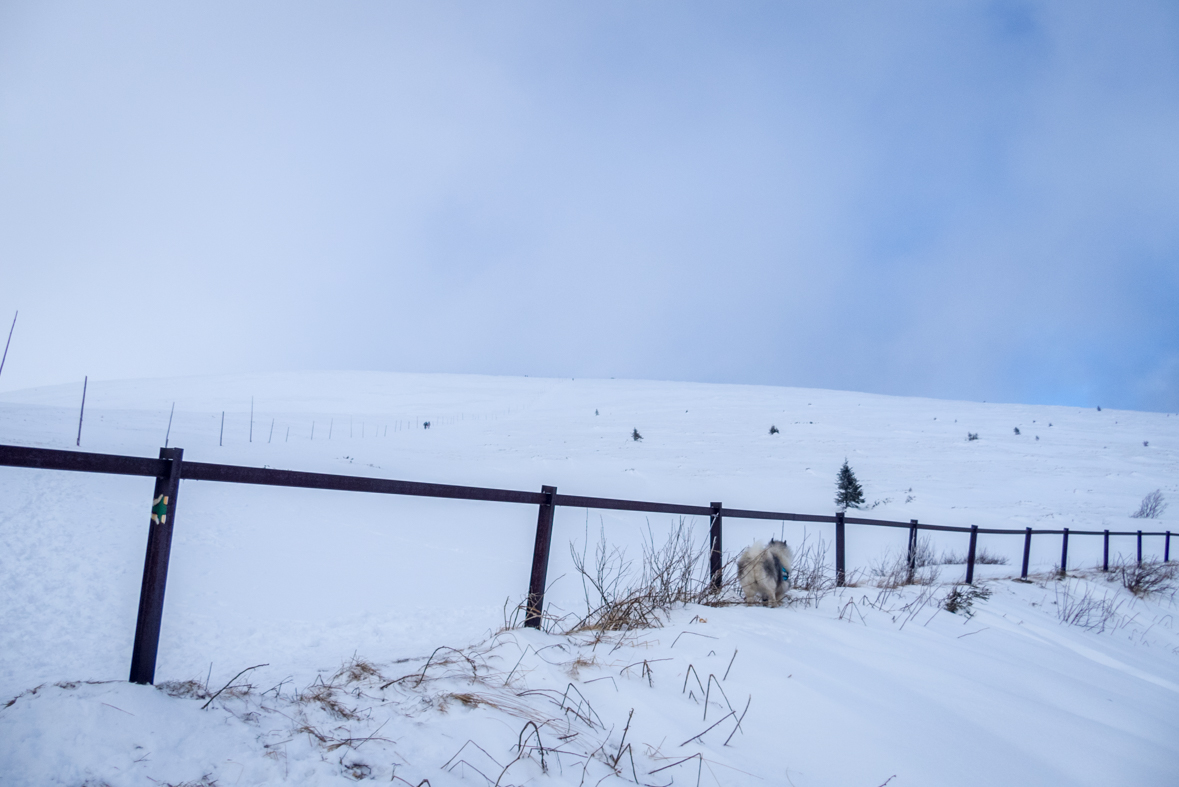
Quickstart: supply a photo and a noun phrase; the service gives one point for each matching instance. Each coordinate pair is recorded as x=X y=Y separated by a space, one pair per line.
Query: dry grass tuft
x=324 y=695
x=1085 y=609
x=356 y=670
x=186 y=689
x=1150 y=577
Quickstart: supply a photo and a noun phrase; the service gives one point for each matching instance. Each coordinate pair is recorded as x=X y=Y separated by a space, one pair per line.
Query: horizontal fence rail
x=171 y=468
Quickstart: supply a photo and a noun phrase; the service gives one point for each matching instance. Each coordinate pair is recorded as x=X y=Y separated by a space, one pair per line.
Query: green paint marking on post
x=159 y=510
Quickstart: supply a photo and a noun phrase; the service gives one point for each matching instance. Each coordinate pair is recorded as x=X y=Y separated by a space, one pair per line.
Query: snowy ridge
x=353 y=593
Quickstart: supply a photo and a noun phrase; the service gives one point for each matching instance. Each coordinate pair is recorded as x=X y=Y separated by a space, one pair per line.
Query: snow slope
x=851 y=692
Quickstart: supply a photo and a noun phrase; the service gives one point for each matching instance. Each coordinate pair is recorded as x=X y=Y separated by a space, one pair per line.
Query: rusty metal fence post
x=540 y=559
x=840 y=574
x=715 y=559
x=970 y=554
x=155 y=570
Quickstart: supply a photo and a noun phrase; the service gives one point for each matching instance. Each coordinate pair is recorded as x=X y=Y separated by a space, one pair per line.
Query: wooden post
x=155 y=570
x=970 y=554
x=82 y=412
x=1105 y=551
x=540 y=559
x=1167 y=548
x=715 y=565
x=1064 y=552
x=1140 y=547
x=840 y=573
x=1027 y=552
x=912 y=562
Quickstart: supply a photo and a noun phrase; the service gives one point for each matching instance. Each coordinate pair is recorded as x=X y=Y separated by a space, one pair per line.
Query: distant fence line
x=171 y=468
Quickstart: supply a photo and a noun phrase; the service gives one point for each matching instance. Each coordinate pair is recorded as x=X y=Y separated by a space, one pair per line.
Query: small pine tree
x=636 y=436
x=773 y=429
x=849 y=494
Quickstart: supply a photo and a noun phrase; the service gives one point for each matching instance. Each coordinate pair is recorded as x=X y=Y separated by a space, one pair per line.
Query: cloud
x=974 y=202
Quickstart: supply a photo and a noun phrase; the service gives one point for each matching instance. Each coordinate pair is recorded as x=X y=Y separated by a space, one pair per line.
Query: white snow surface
x=342 y=594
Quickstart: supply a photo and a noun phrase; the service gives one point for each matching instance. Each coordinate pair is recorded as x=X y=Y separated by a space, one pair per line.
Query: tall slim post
x=912 y=561
x=1027 y=552
x=970 y=554
x=840 y=573
x=1064 y=552
x=715 y=566
x=1167 y=548
x=1105 y=551
x=1140 y=547
x=155 y=570
x=10 y=330
x=540 y=559
x=82 y=412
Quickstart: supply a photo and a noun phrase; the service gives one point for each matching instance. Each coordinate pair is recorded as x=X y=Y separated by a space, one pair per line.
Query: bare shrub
x=924 y=555
x=892 y=572
x=1147 y=578
x=672 y=574
x=981 y=558
x=810 y=576
x=1152 y=506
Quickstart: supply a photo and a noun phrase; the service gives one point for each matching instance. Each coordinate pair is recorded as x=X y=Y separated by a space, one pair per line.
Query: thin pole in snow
x=288 y=435
x=82 y=412
x=313 y=431
x=331 y=425
x=169 y=432
x=10 y=330
x=271 y=438
x=221 y=438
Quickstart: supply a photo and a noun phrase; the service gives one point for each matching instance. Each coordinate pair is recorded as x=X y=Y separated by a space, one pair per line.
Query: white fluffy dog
x=764 y=572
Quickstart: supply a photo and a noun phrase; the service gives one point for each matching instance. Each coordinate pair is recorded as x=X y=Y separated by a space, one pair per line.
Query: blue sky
x=960 y=200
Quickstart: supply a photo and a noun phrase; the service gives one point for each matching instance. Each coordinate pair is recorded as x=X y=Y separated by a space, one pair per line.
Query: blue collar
x=785 y=575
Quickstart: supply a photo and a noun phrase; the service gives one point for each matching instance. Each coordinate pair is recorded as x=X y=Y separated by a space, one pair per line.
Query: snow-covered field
x=865 y=686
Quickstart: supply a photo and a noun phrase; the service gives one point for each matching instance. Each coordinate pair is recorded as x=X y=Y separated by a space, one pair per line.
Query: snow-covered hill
x=851 y=692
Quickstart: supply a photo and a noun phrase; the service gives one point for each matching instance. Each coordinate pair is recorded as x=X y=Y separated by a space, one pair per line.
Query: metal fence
x=170 y=469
